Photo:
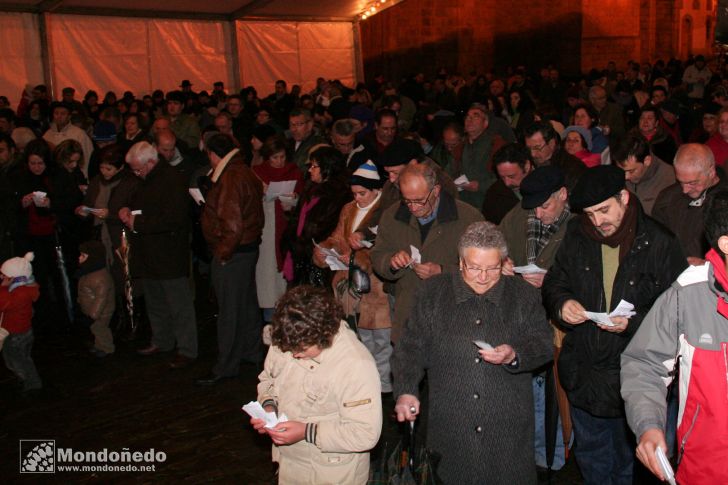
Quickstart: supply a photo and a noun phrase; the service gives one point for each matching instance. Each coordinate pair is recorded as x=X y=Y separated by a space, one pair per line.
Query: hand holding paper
x=255 y=410
x=461 y=182
x=528 y=269
x=624 y=309
x=416 y=256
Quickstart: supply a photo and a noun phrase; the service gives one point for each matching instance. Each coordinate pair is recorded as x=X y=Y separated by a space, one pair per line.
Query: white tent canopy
x=140 y=45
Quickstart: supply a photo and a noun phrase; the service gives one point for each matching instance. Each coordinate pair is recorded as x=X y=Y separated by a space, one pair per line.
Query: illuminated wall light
x=373 y=9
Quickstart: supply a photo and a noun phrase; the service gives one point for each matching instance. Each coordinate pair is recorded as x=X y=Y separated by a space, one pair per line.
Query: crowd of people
x=510 y=237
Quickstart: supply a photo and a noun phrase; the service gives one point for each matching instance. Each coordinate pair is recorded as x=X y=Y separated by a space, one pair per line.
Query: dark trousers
x=171 y=312
x=239 y=322
x=605 y=448
x=16 y=353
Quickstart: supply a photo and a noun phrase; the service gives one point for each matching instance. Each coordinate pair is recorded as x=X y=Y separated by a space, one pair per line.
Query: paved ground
x=128 y=401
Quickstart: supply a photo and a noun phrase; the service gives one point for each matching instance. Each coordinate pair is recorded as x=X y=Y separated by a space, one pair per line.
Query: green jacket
x=514 y=227
x=398 y=229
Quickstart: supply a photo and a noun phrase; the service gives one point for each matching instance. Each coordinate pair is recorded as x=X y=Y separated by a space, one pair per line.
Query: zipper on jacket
x=725 y=362
x=687 y=434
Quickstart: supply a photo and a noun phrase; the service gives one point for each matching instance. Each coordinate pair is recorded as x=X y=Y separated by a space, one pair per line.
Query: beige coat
x=373 y=308
x=339 y=391
x=398 y=229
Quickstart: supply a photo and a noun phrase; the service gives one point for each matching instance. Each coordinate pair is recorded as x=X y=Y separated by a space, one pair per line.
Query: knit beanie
x=16 y=267
x=367 y=176
x=96 y=256
x=585 y=134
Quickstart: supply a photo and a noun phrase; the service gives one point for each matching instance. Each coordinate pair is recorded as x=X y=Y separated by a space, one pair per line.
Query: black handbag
x=359 y=281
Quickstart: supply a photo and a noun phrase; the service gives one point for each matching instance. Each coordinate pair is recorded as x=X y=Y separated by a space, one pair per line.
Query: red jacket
x=17 y=307
x=719 y=147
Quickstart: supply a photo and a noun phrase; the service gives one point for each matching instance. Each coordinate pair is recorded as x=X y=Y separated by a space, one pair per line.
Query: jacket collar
x=463 y=292
x=447 y=212
x=223 y=163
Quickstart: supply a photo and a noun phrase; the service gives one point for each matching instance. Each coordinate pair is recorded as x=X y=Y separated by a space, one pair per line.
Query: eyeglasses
x=475 y=272
x=138 y=171
x=417 y=203
x=537 y=149
x=311 y=166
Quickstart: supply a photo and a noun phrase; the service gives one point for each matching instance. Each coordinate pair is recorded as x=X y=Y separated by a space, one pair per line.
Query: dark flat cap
x=596 y=185
x=400 y=152
x=671 y=106
x=177 y=96
x=538 y=186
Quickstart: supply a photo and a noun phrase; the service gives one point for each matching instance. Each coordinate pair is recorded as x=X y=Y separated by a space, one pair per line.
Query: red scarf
x=720 y=276
x=268 y=174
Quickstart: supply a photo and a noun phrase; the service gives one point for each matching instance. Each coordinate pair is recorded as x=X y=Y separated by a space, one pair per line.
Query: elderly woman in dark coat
x=478 y=334
x=316 y=216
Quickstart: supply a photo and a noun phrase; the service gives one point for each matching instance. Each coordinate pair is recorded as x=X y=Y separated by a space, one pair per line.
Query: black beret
x=671 y=106
x=538 y=186
x=596 y=185
x=177 y=96
x=400 y=152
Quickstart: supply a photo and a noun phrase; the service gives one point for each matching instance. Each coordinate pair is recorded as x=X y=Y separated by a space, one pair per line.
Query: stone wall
x=574 y=35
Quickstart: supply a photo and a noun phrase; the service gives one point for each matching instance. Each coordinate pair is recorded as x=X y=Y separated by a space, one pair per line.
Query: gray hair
x=420 y=170
x=695 y=156
x=142 y=152
x=483 y=235
x=343 y=127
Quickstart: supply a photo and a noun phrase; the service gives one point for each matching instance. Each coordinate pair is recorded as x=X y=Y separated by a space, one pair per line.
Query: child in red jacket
x=18 y=291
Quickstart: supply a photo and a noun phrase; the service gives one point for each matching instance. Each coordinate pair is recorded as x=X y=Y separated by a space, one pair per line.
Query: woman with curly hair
x=326 y=383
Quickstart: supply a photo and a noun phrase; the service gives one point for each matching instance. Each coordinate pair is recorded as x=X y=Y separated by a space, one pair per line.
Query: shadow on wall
x=427 y=58
x=557 y=42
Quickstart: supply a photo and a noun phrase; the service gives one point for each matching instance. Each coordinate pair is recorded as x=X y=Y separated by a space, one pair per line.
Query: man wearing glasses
x=543 y=143
x=611 y=252
x=478 y=334
x=430 y=220
x=159 y=233
x=680 y=206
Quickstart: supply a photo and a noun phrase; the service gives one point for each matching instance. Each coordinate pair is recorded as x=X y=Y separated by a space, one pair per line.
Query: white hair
x=142 y=152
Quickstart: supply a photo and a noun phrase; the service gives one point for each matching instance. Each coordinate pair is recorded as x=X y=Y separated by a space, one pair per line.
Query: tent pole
x=358 y=55
x=235 y=57
x=48 y=75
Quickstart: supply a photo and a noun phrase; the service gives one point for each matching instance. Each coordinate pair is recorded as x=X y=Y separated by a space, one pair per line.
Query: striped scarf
x=538 y=235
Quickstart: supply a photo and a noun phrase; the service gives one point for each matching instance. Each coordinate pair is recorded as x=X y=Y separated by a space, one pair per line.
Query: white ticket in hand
x=529 y=269
x=624 y=309
x=255 y=410
x=416 y=256
x=461 y=182
x=38 y=197
x=483 y=345
x=137 y=212
x=665 y=466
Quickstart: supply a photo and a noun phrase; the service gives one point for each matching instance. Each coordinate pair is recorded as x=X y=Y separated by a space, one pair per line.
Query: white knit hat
x=367 y=175
x=15 y=267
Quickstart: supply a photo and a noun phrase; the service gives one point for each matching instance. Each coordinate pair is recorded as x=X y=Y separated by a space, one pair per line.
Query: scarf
x=20 y=281
x=623 y=236
x=538 y=235
x=721 y=277
x=268 y=174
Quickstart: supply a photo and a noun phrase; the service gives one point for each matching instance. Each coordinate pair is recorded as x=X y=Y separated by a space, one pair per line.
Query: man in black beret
x=534 y=230
x=611 y=252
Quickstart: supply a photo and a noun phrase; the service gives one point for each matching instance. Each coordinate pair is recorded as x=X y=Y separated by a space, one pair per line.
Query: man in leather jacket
x=611 y=252
x=232 y=223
